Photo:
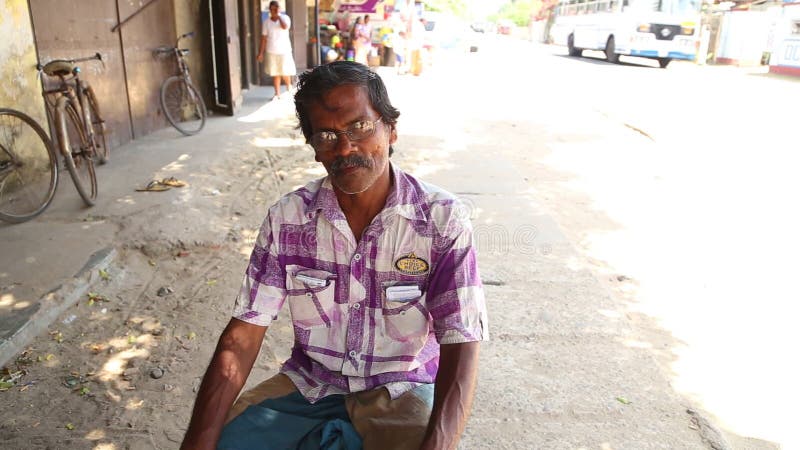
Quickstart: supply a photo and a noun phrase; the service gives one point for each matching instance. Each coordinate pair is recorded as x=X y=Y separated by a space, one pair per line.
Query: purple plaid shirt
x=371 y=313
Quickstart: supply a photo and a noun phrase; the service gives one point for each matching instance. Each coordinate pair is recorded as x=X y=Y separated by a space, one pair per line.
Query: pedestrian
x=379 y=271
x=362 y=39
x=275 y=40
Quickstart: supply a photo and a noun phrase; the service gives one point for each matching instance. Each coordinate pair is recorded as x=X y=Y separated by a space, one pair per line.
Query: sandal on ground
x=173 y=182
x=154 y=186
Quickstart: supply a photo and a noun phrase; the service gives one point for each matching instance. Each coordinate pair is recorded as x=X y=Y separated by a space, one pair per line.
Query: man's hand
x=233 y=359
x=260 y=57
x=452 y=397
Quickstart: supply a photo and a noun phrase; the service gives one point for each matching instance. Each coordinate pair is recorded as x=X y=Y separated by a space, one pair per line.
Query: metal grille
x=666 y=32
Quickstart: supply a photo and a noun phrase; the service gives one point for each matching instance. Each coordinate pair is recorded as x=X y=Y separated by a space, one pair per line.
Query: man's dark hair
x=313 y=84
x=274 y=3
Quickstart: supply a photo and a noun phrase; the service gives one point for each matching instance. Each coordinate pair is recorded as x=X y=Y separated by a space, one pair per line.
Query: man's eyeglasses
x=325 y=141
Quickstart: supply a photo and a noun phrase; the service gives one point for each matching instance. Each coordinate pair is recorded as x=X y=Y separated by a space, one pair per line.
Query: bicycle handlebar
x=185 y=35
x=97 y=56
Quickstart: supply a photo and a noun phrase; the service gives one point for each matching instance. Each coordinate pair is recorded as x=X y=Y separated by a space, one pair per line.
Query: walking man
x=380 y=275
x=275 y=39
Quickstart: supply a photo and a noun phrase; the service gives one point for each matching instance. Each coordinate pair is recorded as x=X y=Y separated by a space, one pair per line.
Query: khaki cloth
x=383 y=423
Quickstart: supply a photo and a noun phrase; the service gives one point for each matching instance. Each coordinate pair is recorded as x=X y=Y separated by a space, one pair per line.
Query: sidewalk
x=50 y=262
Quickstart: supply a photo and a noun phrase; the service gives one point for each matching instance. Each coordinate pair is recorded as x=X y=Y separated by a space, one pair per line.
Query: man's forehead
x=345 y=99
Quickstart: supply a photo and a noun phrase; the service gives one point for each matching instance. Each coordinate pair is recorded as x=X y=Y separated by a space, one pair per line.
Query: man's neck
x=360 y=209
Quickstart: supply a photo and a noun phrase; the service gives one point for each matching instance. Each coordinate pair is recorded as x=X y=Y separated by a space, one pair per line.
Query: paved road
x=678 y=186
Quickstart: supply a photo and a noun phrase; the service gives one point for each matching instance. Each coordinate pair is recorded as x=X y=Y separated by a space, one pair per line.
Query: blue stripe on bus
x=649 y=53
x=654 y=54
x=680 y=55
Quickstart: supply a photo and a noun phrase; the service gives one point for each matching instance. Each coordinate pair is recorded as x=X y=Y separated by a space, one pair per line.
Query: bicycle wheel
x=182 y=105
x=77 y=151
x=101 y=151
x=28 y=172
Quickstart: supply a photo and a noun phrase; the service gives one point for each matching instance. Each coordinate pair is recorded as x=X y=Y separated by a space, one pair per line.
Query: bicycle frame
x=74 y=94
x=183 y=67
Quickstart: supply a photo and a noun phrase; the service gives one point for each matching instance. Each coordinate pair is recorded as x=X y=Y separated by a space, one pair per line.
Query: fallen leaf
x=211 y=282
x=104 y=274
x=5 y=385
x=131 y=339
x=84 y=390
x=151 y=262
x=191 y=335
x=623 y=400
x=69 y=426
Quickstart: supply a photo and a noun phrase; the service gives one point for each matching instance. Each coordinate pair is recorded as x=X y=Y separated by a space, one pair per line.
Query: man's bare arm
x=233 y=359
x=453 y=393
x=261 y=49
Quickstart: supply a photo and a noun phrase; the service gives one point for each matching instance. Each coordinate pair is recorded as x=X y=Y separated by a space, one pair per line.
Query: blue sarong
x=291 y=422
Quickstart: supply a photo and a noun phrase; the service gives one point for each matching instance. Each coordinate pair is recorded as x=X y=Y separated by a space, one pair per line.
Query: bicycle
x=182 y=104
x=74 y=110
x=28 y=172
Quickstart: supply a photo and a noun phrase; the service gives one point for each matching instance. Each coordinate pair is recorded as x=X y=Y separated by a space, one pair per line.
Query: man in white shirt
x=275 y=40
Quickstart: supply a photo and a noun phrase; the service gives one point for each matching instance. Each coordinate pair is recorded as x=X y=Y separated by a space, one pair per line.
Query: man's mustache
x=353 y=160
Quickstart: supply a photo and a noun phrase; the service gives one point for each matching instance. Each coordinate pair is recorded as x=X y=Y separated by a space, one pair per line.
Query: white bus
x=658 y=29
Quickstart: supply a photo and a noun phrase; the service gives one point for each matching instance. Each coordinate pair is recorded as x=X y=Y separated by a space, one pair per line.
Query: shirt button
x=357 y=306
x=352 y=353
x=308 y=294
x=357 y=257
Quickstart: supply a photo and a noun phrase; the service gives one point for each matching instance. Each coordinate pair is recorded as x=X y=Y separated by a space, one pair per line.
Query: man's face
x=353 y=166
x=273 y=10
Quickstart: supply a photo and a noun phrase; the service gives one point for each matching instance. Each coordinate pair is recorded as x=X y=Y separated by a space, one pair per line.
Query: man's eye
x=358 y=126
x=327 y=136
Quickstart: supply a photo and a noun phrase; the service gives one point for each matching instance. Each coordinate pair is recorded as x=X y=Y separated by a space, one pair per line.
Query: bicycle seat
x=58 y=67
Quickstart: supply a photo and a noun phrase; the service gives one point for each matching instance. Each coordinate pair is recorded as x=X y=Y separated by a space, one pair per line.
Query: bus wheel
x=571 y=47
x=664 y=62
x=611 y=56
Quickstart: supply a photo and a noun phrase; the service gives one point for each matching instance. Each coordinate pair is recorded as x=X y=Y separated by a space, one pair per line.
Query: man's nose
x=343 y=145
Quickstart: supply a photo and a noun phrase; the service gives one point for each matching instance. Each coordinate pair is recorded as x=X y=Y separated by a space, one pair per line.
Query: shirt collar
x=406 y=198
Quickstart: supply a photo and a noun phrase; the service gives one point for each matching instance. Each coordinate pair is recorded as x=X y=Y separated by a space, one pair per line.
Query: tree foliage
x=458 y=8
x=519 y=12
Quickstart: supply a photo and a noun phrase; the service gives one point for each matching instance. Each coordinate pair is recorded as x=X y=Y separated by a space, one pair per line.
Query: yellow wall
x=20 y=89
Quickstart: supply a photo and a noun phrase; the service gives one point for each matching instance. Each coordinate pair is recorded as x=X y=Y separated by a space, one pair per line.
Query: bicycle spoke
x=27 y=175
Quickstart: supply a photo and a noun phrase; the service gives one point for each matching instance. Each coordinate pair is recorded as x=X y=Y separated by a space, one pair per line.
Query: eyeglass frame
x=348 y=132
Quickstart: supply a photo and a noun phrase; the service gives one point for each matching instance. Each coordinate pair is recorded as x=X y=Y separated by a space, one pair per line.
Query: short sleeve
x=264 y=285
x=455 y=297
x=288 y=21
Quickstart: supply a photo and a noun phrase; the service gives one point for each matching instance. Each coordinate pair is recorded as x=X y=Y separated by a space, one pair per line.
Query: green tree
x=458 y=8
x=519 y=12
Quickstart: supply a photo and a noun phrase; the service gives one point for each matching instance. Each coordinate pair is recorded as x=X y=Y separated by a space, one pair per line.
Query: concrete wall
x=21 y=89
x=66 y=30
x=743 y=38
x=192 y=15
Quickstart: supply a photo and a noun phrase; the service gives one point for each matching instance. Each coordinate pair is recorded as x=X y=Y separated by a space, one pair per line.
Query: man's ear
x=393 y=135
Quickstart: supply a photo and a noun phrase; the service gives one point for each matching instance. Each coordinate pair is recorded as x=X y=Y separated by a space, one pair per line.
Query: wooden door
x=227 y=55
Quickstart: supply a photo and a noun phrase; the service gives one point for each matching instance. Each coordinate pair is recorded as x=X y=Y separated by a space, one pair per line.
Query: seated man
x=380 y=274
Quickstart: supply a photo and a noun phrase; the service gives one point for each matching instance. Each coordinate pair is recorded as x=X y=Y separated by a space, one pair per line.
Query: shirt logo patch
x=411 y=264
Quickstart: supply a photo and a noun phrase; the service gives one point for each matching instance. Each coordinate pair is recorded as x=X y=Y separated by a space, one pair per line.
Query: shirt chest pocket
x=405 y=316
x=311 y=296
